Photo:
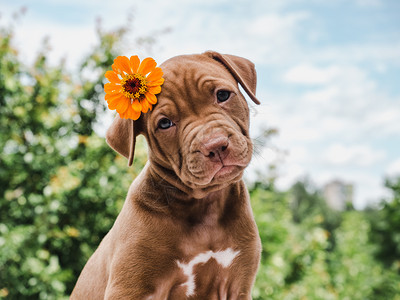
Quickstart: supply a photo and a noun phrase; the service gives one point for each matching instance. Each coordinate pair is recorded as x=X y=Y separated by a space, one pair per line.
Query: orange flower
x=133 y=86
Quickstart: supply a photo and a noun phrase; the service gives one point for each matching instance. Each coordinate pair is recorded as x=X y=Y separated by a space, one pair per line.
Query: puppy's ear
x=242 y=70
x=121 y=136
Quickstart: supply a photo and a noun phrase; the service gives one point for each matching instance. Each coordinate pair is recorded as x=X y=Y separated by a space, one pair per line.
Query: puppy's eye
x=165 y=123
x=223 y=95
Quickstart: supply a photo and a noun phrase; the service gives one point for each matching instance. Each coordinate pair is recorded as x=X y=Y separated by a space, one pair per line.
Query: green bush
x=310 y=260
x=61 y=185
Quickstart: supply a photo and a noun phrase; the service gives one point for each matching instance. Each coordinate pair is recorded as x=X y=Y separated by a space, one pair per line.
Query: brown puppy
x=186 y=230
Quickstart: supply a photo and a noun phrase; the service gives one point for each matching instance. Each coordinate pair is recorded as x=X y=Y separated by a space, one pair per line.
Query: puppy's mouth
x=227 y=171
x=216 y=158
x=216 y=173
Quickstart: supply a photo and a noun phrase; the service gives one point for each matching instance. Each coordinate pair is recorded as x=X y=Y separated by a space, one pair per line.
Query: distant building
x=338 y=194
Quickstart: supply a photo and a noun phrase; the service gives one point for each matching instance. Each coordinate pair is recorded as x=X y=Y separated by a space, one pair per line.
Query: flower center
x=134 y=86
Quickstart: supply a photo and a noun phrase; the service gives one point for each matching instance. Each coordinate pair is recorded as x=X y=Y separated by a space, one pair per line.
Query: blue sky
x=328 y=71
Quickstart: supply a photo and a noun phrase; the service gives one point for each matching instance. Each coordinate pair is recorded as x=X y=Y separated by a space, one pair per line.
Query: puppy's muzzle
x=215 y=148
x=217 y=152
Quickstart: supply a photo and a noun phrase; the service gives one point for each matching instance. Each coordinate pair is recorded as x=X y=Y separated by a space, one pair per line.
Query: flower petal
x=151 y=98
x=145 y=106
x=112 y=77
x=131 y=114
x=135 y=62
x=114 y=93
x=136 y=105
x=154 y=83
x=127 y=114
x=113 y=102
x=112 y=97
x=122 y=105
x=122 y=63
x=148 y=64
x=116 y=70
x=156 y=74
x=123 y=116
x=111 y=87
x=154 y=89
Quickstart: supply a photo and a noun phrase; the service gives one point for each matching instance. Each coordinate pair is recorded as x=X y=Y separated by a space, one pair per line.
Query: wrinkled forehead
x=193 y=77
x=193 y=72
x=199 y=63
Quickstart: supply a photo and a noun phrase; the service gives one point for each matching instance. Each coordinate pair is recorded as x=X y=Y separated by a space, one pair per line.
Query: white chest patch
x=224 y=258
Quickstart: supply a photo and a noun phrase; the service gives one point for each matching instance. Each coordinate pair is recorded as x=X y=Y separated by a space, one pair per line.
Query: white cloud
x=276 y=26
x=343 y=100
x=348 y=75
x=298 y=154
x=385 y=120
x=69 y=41
x=309 y=74
x=270 y=37
x=352 y=155
x=288 y=175
x=393 y=169
x=269 y=156
x=374 y=3
x=387 y=52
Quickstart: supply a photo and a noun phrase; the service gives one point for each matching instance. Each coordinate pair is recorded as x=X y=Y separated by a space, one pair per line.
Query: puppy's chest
x=205 y=265
x=207 y=270
x=204 y=275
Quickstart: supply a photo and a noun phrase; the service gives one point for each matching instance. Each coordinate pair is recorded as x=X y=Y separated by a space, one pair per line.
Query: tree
x=61 y=185
x=293 y=263
x=355 y=272
x=387 y=230
x=308 y=260
x=385 y=233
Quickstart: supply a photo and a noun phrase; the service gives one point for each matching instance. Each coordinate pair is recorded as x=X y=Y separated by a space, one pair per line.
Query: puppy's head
x=198 y=132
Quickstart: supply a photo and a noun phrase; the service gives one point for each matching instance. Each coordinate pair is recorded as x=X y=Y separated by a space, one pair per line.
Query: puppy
x=186 y=230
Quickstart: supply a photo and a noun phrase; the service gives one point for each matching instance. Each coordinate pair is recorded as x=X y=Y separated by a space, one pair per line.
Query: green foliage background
x=61 y=188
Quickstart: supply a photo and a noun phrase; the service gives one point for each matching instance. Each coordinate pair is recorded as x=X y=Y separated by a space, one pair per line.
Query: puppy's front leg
x=145 y=277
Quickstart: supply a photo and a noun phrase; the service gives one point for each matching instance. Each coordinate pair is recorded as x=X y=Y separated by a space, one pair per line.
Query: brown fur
x=180 y=206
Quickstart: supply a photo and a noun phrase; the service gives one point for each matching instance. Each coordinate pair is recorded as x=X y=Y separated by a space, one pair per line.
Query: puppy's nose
x=215 y=148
